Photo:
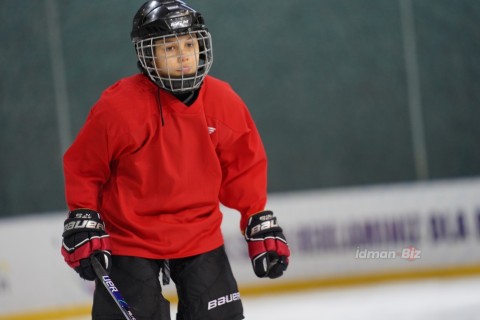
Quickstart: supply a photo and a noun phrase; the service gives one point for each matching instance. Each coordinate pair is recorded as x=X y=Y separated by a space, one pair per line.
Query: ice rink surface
x=457 y=299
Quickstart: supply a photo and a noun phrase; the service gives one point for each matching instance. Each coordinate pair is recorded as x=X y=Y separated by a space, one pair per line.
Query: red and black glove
x=267 y=246
x=84 y=235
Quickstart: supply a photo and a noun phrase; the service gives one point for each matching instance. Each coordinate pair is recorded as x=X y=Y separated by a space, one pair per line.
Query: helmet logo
x=180 y=22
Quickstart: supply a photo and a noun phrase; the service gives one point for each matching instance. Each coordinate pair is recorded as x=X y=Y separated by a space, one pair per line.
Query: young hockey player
x=145 y=177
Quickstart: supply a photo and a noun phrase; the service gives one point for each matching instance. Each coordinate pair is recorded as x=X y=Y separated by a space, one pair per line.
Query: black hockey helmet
x=160 y=18
x=156 y=21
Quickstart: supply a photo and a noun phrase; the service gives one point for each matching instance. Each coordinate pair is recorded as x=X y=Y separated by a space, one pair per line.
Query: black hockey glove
x=84 y=235
x=267 y=246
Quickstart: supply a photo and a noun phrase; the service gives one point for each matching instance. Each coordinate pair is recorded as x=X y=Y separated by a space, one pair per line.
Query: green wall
x=344 y=92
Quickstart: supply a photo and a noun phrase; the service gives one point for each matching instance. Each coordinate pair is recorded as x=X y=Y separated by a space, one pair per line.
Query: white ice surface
x=452 y=299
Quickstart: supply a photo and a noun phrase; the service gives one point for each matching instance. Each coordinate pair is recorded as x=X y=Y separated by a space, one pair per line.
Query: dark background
x=344 y=92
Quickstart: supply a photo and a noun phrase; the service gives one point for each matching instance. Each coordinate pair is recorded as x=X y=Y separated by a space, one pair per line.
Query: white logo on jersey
x=211 y=130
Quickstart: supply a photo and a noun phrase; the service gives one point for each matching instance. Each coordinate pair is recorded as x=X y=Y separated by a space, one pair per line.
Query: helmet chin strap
x=178 y=84
x=178 y=93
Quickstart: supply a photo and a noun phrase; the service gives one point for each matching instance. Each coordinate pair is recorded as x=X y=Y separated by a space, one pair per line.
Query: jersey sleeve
x=244 y=168
x=87 y=162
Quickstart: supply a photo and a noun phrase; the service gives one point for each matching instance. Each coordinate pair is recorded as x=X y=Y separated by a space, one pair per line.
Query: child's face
x=177 y=56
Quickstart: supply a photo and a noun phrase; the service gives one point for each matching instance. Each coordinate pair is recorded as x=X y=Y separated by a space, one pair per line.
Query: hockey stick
x=111 y=288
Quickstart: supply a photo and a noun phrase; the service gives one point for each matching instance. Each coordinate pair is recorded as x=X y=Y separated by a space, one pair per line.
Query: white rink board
x=325 y=230
x=32 y=271
x=329 y=232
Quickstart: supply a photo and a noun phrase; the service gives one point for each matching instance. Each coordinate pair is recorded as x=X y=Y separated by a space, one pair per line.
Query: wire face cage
x=177 y=62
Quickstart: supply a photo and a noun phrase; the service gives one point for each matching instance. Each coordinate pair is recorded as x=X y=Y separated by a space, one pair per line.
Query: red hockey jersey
x=158 y=186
